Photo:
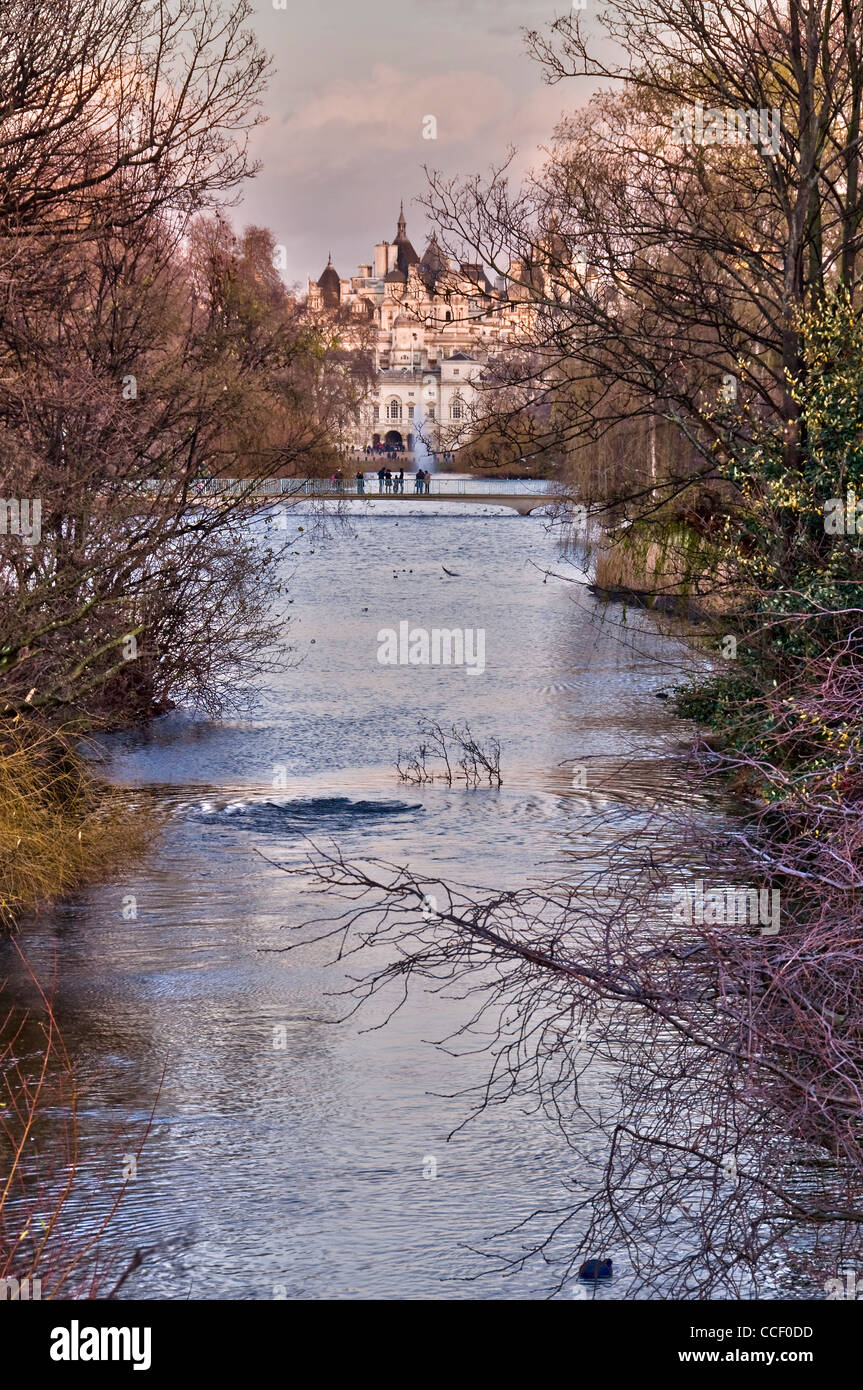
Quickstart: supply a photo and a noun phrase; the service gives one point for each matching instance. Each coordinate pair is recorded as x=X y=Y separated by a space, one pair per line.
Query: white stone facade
x=434 y=325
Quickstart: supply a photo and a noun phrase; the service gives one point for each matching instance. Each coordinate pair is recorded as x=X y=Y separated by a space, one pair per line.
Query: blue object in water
x=595 y=1269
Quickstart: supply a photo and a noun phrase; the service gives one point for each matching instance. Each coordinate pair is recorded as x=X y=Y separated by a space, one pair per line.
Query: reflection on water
x=297 y=1169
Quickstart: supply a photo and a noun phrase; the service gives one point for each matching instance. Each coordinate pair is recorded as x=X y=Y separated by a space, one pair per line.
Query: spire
x=330 y=286
x=407 y=256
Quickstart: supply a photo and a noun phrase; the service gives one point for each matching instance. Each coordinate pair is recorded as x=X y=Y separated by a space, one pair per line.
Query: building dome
x=330 y=286
x=407 y=256
x=433 y=264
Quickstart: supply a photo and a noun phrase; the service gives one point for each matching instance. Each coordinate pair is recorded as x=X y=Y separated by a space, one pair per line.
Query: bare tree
x=659 y=261
x=717 y=1142
x=146 y=105
x=474 y=761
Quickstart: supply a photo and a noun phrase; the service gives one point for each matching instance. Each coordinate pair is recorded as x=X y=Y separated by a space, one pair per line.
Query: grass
x=675 y=576
x=59 y=826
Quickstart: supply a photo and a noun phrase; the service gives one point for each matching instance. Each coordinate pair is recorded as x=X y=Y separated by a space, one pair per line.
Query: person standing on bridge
x=361 y=482
x=427 y=479
x=401 y=481
x=418 y=483
x=381 y=476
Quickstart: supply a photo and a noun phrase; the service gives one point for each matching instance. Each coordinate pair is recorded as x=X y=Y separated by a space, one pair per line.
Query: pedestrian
x=381 y=476
x=427 y=479
x=361 y=482
x=418 y=483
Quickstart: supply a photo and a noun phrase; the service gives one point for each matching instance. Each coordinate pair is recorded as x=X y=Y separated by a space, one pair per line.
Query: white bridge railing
x=323 y=487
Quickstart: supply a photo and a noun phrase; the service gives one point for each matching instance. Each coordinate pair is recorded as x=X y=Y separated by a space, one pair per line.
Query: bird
x=453 y=574
x=595 y=1269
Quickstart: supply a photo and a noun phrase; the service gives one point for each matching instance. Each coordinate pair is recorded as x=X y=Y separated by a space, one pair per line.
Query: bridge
x=523 y=497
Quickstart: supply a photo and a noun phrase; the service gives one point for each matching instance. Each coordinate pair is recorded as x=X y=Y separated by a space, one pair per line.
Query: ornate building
x=434 y=324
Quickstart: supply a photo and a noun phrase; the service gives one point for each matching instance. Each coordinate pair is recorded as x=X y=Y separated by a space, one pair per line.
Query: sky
x=353 y=82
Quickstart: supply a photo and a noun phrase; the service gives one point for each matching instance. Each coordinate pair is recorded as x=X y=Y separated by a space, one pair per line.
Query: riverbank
x=60 y=826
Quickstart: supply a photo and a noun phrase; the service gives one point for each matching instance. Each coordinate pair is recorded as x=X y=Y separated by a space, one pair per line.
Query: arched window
x=394 y=410
x=448 y=317
x=456 y=408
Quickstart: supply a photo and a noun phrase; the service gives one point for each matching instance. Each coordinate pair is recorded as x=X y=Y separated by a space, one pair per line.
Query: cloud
x=335 y=167
x=385 y=112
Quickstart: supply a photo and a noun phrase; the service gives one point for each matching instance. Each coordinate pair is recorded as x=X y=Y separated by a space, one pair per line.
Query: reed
x=60 y=826
x=680 y=571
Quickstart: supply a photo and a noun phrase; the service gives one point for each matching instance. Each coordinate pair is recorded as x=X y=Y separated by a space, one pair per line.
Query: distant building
x=435 y=324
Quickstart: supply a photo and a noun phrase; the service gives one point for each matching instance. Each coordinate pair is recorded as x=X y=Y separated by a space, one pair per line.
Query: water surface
x=298 y=1171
